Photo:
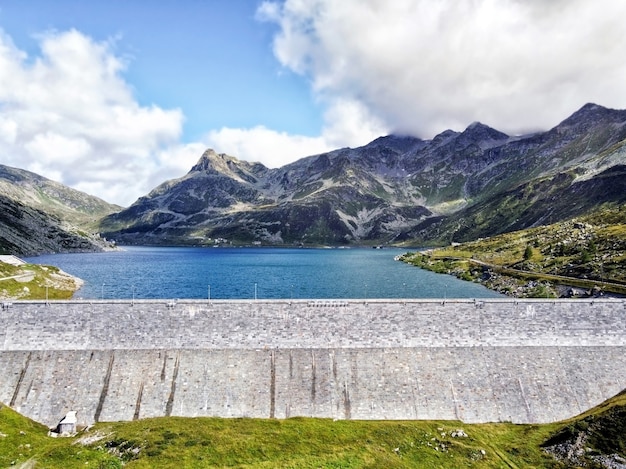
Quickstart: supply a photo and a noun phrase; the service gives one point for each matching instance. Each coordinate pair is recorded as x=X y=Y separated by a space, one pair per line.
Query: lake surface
x=248 y=273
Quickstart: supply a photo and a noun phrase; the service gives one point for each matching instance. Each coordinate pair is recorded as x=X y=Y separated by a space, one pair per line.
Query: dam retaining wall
x=525 y=361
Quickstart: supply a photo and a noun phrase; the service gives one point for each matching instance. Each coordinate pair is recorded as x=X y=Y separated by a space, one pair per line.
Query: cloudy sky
x=114 y=97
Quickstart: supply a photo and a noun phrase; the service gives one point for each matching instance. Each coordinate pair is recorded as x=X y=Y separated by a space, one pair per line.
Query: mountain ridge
x=46 y=194
x=393 y=189
x=39 y=215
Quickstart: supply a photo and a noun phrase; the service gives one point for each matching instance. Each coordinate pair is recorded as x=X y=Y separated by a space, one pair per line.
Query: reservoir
x=255 y=273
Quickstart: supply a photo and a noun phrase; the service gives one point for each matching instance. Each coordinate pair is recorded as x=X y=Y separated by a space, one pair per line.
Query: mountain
x=68 y=204
x=38 y=215
x=457 y=186
x=333 y=198
x=544 y=178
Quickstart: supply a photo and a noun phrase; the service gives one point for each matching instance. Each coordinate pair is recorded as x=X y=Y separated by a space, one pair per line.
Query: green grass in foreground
x=313 y=443
x=293 y=443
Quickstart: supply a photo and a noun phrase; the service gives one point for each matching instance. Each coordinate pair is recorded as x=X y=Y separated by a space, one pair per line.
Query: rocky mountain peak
x=476 y=133
x=394 y=188
x=482 y=135
x=584 y=114
x=593 y=114
x=591 y=107
x=396 y=142
x=213 y=163
x=211 y=160
x=481 y=131
x=444 y=137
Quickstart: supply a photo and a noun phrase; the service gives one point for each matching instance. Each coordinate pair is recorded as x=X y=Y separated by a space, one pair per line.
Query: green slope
x=36 y=282
x=315 y=443
x=587 y=253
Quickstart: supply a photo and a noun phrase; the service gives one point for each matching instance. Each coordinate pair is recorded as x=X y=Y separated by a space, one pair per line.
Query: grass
x=176 y=442
x=293 y=443
x=587 y=252
x=32 y=280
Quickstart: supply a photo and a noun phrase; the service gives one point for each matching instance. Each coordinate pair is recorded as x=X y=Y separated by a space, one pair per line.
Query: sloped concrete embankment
x=496 y=360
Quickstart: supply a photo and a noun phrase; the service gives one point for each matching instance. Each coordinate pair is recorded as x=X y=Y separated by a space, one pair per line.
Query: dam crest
x=524 y=361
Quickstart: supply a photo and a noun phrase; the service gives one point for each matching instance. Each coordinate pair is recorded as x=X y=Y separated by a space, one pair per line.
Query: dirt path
x=27 y=277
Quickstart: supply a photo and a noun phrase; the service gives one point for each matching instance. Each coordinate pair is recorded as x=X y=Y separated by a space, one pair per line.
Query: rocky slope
x=565 y=172
x=72 y=206
x=38 y=215
x=580 y=257
x=457 y=186
x=597 y=439
x=27 y=231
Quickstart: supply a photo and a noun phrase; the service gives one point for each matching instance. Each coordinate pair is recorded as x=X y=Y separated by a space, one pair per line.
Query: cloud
x=69 y=115
x=267 y=146
x=375 y=66
x=347 y=123
x=420 y=66
x=175 y=160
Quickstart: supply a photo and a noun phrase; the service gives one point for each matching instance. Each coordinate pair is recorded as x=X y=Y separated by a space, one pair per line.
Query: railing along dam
x=485 y=360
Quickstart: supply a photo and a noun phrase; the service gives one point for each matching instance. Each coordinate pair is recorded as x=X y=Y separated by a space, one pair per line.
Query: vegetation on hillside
x=36 y=282
x=38 y=216
x=580 y=257
x=595 y=438
x=75 y=208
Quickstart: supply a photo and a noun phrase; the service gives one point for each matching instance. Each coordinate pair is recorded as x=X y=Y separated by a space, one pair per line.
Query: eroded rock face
x=26 y=231
x=595 y=441
x=38 y=215
x=455 y=187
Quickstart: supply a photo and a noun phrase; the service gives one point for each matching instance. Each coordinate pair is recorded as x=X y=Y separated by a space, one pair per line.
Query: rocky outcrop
x=39 y=216
x=595 y=441
x=27 y=231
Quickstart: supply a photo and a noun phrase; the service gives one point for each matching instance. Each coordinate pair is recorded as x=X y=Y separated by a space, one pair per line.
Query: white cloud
x=175 y=160
x=421 y=66
x=68 y=114
x=347 y=123
x=377 y=66
x=263 y=145
x=57 y=149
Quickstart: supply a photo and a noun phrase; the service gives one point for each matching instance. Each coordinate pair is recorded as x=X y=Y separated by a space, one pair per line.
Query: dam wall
x=525 y=361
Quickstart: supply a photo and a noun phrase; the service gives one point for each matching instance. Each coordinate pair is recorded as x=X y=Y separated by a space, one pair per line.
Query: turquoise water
x=246 y=273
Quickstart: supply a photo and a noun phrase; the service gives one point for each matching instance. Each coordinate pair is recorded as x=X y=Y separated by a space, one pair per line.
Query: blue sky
x=115 y=97
x=211 y=58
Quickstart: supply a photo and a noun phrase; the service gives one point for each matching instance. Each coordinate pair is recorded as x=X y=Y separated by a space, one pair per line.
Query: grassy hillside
x=36 y=282
x=582 y=256
x=316 y=443
x=294 y=443
x=38 y=215
x=72 y=206
x=596 y=439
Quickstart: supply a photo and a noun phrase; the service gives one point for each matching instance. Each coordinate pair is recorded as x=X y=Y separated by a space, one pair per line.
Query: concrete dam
x=525 y=361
